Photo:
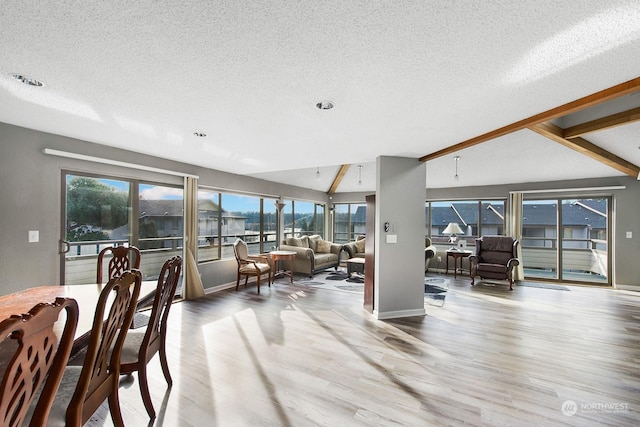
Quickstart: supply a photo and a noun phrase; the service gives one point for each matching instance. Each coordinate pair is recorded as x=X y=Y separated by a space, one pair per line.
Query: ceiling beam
x=617 y=91
x=336 y=181
x=581 y=145
x=603 y=123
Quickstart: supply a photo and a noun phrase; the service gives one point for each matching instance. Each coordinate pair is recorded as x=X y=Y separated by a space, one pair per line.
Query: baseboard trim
x=628 y=287
x=218 y=288
x=399 y=313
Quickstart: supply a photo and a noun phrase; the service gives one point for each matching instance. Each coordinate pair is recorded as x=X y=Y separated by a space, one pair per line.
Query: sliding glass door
x=101 y=211
x=567 y=239
x=585 y=240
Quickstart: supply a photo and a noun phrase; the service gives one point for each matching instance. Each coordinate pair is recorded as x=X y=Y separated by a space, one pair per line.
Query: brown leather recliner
x=495 y=258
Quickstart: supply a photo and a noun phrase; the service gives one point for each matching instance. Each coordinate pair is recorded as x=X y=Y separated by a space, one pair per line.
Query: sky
x=231 y=202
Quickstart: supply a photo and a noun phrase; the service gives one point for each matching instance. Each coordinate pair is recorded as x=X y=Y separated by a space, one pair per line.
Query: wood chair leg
x=259 y=282
x=144 y=391
x=238 y=281
x=165 y=365
x=114 y=408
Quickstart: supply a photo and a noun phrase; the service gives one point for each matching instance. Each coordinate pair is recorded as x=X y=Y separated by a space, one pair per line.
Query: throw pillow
x=298 y=242
x=313 y=242
x=360 y=246
x=324 y=247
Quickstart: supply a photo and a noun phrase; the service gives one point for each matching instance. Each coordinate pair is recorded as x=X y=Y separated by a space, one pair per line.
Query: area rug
x=435 y=290
x=336 y=281
x=333 y=283
x=337 y=275
x=343 y=275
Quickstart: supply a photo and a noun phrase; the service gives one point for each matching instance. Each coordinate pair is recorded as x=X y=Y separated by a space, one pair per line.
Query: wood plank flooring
x=297 y=355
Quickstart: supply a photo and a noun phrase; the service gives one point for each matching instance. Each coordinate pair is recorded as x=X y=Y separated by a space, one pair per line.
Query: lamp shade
x=453 y=228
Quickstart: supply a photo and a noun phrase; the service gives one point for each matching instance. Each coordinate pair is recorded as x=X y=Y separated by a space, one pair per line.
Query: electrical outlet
x=439 y=259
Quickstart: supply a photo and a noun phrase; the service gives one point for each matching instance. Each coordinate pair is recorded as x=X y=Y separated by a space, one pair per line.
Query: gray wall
x=31 y=200
x=399 y=268
x=31 y=188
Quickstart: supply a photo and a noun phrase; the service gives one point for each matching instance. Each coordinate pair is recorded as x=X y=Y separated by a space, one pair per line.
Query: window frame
x=477 y=225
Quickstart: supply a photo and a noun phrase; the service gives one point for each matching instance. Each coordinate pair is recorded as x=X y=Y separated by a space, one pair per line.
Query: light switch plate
x=34 y=236
x=392 y=238
x=629 y=234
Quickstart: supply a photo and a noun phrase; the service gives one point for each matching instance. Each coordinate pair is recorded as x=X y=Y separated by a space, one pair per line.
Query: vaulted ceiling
x=491 y=82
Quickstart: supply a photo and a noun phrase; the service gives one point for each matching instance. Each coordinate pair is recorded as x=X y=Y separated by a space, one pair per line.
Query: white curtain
x=514 y=228
x=193 y=287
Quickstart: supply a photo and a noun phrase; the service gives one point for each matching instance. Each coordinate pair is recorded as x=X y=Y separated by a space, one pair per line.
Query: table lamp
x=452 y=230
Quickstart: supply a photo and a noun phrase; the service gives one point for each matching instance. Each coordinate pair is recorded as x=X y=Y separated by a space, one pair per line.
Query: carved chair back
x=39 y=358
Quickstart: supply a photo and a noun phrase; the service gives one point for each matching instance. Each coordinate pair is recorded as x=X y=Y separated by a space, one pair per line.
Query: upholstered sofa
x=355 y=249
x=313 y=253
x=495 y=258
x=429 y=252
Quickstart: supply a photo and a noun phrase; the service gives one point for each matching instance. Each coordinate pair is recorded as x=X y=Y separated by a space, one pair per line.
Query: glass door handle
x=64 y=247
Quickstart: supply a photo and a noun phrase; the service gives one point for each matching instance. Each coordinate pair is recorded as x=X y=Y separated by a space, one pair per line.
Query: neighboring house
x=359 y=221
x=167 y=218
x=582 y=220
x=466 y=215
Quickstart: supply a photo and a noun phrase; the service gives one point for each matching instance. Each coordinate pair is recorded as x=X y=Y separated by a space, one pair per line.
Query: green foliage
x=93 y=203
x=74 y=236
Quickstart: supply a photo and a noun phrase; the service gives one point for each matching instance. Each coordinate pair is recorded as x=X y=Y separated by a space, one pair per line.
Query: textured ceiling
x=408 y=78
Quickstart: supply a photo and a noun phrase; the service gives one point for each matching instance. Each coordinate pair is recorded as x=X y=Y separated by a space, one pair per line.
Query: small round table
x=456 y=254
x=286 y=256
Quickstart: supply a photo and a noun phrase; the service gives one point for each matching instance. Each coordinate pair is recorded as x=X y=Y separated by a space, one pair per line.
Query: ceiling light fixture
x=456 y=158
x=199 y=134
x=27 y=80
x=325 y=105
x=318 y=174
x=359 y=174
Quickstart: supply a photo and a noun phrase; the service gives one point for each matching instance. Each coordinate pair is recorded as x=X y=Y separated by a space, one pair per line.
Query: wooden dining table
x=86 y=296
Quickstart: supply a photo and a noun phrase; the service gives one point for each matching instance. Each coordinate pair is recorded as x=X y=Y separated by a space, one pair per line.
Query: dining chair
x=84 y=388
x=123 y=258
x=140 y=347
x=38 y=358
x=250 y=265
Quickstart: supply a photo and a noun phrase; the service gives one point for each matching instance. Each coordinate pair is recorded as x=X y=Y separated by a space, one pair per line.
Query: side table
x=456 y=254
x=286 y=256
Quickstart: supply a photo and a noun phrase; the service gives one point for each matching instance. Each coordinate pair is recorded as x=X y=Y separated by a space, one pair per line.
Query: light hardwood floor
x=297 y=355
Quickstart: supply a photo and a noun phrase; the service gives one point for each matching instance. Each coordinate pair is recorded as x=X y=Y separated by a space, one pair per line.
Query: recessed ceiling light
x=200 y=134
x=325 y=105
x=27 y=80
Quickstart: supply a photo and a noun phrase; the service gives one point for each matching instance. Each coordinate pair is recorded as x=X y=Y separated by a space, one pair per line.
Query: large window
x=103 y=211
x=225 y=217
x=349 y=221
x=303 y=218
x=475 y=218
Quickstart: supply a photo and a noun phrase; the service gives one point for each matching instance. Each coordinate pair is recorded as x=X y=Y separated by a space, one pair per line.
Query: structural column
x=399 y=238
